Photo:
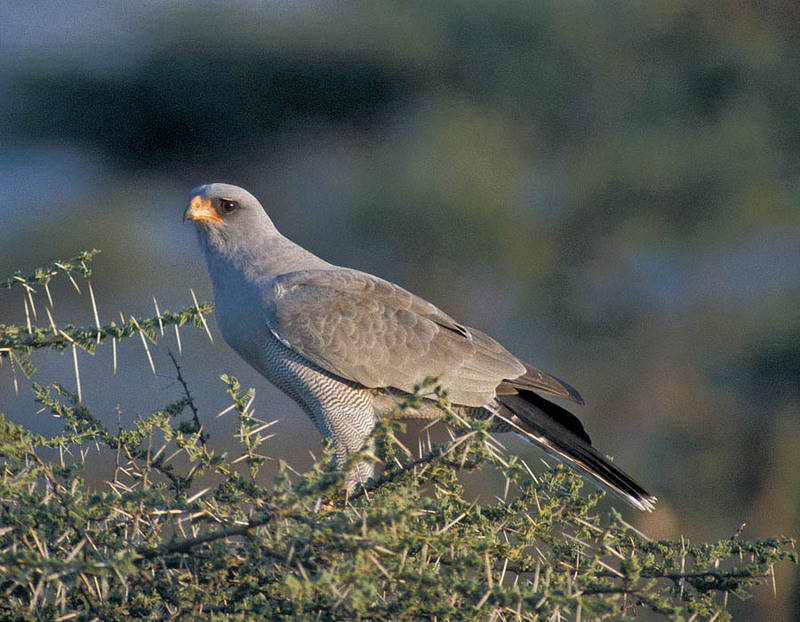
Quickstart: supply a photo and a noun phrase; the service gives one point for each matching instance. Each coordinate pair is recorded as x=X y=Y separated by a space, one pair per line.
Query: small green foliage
x=42 y=276
x=157 y=541
x=14 y=440
x=18 y=342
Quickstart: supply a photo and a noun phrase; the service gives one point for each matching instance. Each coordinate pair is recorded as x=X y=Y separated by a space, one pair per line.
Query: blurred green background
x=609 y=188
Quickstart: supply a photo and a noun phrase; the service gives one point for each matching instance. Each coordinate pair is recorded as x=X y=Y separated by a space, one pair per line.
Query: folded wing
x=373 y=332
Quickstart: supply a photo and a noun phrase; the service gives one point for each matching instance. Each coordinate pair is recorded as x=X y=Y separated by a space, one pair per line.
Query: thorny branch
x=158 y=541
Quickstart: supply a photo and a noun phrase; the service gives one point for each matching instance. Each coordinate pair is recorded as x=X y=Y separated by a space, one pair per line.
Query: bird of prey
x=348 y=346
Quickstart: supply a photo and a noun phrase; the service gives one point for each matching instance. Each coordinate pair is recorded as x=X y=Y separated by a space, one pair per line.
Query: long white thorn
x=202 y=317
x=27 y=314
x=77 y=371
x=13 y=372
x=144 y=343
x=94 y=310
x=52 y=323
x=178 y=337
x=74 y=284
x=122 y=319
x=158 y=313
x=30 y=291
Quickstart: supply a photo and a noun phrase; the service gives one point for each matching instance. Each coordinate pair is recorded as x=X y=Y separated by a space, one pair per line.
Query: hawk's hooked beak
x=202 y=210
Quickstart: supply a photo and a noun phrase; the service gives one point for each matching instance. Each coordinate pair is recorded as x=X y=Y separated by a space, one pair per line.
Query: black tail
x=560 y=433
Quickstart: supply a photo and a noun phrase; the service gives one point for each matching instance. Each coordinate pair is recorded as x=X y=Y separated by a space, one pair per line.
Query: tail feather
x=561 y=434
x=535 y=379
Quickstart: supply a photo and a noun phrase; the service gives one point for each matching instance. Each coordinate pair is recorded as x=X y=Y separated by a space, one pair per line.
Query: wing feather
x=373 y=332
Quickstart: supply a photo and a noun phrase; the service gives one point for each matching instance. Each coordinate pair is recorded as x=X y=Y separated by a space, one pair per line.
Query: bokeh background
x=609 y=188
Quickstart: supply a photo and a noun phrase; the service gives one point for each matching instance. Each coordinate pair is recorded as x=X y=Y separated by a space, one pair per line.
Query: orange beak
x=200 y=209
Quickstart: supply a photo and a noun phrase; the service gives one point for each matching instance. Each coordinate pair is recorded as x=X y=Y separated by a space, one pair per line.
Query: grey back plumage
x=375 y=333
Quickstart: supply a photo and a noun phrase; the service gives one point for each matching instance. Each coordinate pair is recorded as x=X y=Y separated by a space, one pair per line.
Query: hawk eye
x=226 y=206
